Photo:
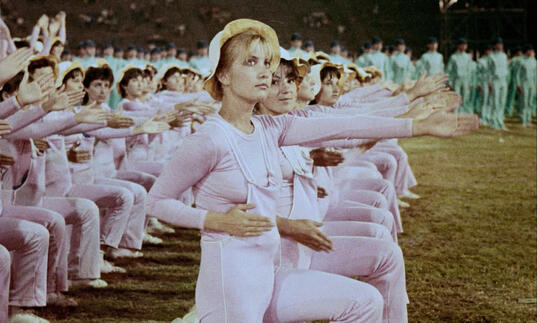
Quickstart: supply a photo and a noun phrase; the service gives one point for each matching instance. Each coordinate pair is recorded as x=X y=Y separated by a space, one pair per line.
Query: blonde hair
x=237 y=48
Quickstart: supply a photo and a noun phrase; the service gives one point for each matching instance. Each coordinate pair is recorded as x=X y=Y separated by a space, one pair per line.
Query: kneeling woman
x=233 y=167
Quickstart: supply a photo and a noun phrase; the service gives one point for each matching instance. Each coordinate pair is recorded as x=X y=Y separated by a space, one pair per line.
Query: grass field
x=469 y=242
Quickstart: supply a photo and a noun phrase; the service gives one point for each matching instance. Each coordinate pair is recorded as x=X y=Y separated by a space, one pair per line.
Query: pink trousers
x=132 y=238
x=238 y=283
x=354 y=187
x=115 y=205
x=28 y=241
x=5 y=271
x=57 y=253
x=353 y=211
x=404 y=178
x=82 y=218
x=376 y=262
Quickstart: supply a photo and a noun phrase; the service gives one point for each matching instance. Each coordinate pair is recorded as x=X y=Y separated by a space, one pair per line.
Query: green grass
x=469 y=242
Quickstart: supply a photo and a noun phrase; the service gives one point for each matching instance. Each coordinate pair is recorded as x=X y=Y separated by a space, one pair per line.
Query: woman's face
x=305 y=90
x=146 y=85
x=175 y=82
x=330 y=92
x=248 y=77
x=74 y=83
x=134 y=87
x=282 y=93
x=98 y=91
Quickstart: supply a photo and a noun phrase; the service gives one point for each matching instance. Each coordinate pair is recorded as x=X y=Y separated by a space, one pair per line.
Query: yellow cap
x=232 y=29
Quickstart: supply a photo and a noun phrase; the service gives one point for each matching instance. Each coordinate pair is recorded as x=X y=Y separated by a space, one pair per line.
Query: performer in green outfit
x=483 y=79
x=526 y=78
x=400 y=64
x=458 y=70
x=431 y=61
x=498 y=84
x=512 y=87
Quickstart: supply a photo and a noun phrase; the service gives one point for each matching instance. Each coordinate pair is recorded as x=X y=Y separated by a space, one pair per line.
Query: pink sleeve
x=339 y=143
x=33 y=38
x=62 y=34
x=82 y=128
x=163 y=198
x=109 y=133
x=22 y=118
x=293 y=130
x=44 y=128
x=8 y=107
x=383 y=93
x=47 y=44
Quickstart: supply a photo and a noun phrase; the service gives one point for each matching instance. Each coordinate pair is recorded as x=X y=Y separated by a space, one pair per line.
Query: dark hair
x=97 y=73
x=171 y=71
x=291 y=72
x=151 y=70
x=40 y=63
x=12 y=85
x=72 y=74
x=129 y=75
x=330 y=71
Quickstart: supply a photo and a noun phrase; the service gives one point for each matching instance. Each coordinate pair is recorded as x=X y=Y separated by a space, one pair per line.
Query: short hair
x=129 y=75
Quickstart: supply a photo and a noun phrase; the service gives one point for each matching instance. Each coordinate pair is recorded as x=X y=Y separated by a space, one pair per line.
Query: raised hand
x=305 y=232
x=42 y=23
x=89 y=115
x=324 y=158
x=54 y=27
x=14 y=63
x=5 y=127
x=116 y=120
x=35 y=91
x=167 y=116
x=445 y=124
x=62 y=99
x=451 y=100
x=237 y=222
x=426 y=85
x=151 y=126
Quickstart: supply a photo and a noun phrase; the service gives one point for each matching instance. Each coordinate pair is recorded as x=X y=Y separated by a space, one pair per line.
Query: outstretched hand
x=63 y=99
x=35 y=91
x=14 y=63
x=426 y=85
x=150 y=126
x=446 y=124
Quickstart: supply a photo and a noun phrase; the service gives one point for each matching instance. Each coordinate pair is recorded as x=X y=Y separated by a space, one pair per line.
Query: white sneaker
x=124 y=253
x=24 y=317
x=58 y=299
x=155 y=226
x=402 y=204
x=93 y=283
x=409 y=195
x=151 y=239
x=107 y=267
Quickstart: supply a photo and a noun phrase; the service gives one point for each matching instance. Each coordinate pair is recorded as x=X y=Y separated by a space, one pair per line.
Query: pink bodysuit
x=238 y=279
